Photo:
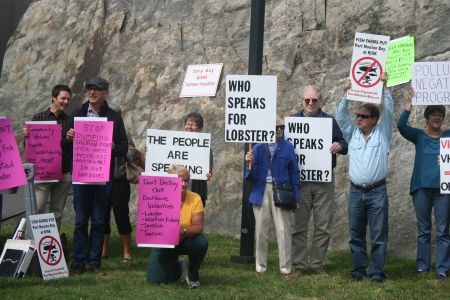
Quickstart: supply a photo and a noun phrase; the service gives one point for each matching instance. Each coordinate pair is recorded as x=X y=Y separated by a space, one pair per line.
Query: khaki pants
x=54 y=194
x=317 y=199
x=282 y=221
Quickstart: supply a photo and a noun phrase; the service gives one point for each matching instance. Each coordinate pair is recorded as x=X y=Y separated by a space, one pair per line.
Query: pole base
x=243 y=260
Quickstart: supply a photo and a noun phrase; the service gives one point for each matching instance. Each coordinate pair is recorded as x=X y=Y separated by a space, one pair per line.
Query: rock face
x=143 y=48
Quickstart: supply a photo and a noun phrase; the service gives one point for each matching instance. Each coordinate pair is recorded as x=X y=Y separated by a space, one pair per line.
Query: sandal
x=126 y=260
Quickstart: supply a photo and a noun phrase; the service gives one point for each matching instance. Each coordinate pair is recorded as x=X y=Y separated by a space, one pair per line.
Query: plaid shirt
x=62 y=119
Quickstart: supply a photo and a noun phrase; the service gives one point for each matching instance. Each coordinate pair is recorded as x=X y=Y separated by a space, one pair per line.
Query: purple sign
x=159 y=209
x=11 y=169
x=92 y=150
x=43 y=149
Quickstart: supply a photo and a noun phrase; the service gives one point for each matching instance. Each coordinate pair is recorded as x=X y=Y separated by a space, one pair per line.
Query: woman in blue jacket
x=272 y=162
x=425 y=189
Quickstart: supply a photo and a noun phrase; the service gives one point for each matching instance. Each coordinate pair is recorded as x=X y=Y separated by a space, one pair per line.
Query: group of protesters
x=366 y=140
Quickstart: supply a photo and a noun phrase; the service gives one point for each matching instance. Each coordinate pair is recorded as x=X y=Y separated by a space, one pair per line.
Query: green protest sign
x=399 y=60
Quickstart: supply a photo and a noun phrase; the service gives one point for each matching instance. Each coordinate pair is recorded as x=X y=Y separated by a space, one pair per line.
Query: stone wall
x=143 y=48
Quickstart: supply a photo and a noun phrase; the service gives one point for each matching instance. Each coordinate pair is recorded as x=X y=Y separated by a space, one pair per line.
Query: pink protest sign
x=11 y=169
x=92 y=150
x=158 y=214
x=43 y=149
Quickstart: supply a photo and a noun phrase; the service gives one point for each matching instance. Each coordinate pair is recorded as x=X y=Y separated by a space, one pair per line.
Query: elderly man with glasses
x=90 y=200
x=317 y=197
x=369 y=143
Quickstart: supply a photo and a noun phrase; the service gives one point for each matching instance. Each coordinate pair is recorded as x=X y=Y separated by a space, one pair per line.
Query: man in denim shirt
x=369 y=142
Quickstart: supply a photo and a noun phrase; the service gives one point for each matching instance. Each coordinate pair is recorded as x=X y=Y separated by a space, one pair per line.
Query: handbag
x=283 y=196
x=135 y=163
x=283 y=193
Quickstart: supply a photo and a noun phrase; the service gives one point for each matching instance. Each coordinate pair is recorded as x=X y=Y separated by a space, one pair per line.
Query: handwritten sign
x=92 y=150
x=312 y=139
x=400 y=58
x=250 y=108
x=50 y=251
x=12 y=173
x=444 y=165
x=368 y=60
x=166 y=148
x=201 y=80
x=431 y=83
x=43 y=149
x=158 y=215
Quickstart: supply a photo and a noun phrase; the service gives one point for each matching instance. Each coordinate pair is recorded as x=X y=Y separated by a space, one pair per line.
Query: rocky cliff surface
x=143 y=48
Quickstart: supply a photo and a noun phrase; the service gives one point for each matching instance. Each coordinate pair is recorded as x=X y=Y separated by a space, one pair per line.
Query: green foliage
x=221 y=279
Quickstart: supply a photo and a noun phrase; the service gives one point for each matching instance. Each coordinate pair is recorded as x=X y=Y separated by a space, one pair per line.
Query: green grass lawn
x=222 y=280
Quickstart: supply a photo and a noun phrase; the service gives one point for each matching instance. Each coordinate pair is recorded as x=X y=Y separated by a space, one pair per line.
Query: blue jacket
x=284 y=169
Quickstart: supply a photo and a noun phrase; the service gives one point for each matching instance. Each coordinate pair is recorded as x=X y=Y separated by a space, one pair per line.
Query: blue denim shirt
x=284 y=167
x=368 y=159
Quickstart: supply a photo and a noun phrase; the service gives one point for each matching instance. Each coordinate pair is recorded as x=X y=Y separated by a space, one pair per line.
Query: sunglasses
x=362 y=116
x=279 y=127
x=312 y=101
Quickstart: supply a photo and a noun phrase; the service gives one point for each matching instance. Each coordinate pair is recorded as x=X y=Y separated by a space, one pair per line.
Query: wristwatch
x=184 y=231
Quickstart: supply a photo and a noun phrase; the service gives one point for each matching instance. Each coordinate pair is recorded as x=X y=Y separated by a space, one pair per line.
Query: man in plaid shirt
x=55 y=193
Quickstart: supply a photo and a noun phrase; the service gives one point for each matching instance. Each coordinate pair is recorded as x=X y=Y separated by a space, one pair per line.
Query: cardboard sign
x=201 y=80
x=92 y=150
x=250 y=108
x=400 y=58
x=368 y=61
x=166 y=148
x=444 y=165
x=43 y=149
x=12 y=173
x=312 y=139
x=159 y=207
x=431 y=83
x=50 y=252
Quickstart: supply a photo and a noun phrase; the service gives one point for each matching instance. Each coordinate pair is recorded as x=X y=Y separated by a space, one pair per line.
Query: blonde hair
x=315 y=88
x=178 y=169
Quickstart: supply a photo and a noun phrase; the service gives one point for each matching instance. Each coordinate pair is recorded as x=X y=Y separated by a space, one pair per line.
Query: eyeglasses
x=190 y=124
x=312 y=101
x=362 y=116
x=279 y=127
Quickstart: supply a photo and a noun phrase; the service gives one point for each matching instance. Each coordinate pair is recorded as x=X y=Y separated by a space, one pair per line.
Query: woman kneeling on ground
x=165 y=265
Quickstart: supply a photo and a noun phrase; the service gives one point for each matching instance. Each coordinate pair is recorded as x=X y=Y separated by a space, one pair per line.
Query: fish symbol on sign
x=368 y=78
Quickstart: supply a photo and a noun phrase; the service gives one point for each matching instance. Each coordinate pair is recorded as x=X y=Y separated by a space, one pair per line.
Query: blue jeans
x=368 y=207
x=89 y=202
x=164 y=266
x=424 y=200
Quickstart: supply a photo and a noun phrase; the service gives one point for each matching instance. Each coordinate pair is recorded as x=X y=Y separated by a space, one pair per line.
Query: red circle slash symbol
x=367 y=71
x=50 y=250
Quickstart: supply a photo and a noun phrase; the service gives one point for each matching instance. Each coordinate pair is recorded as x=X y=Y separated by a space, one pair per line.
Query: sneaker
x=289 y=276
x=441 y=276
x=183 y=269
x=192 y=284
x=320 y=271
x=377 y=279
x=356 y=277
x=420 y=272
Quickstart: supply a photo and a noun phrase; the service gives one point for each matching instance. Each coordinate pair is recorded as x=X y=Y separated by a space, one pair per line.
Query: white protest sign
x=250 y=108
x=431 y=83
x=444 y=165
x=166 y=148
x=201 y=80
x=312 y=139
x=50 y=252
x=368 y=60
